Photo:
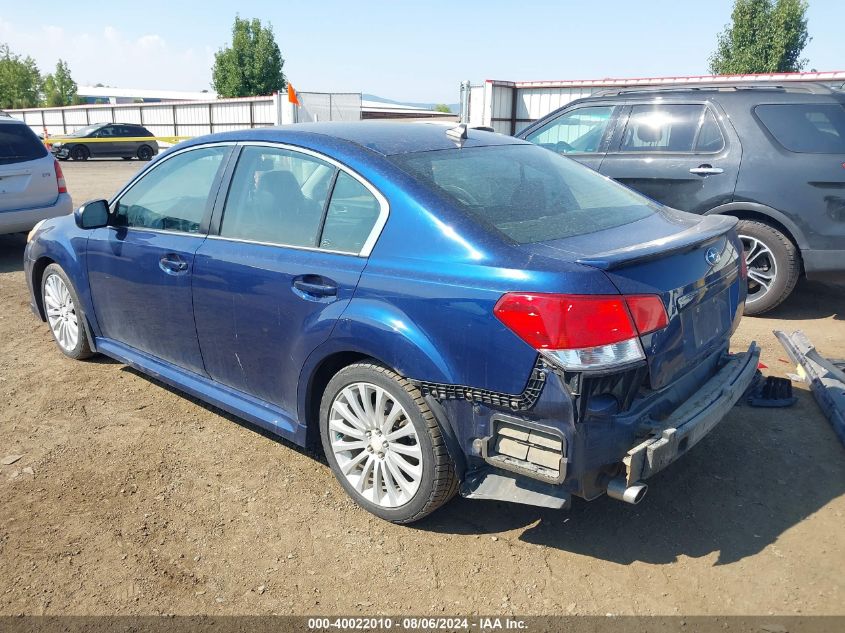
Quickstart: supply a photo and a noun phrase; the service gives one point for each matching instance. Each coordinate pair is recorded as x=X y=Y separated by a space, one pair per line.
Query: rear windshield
x=807 y=128
x=526 y=192
x=19 y=144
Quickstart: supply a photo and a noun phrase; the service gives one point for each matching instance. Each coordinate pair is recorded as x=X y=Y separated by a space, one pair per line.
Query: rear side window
x=353 y=212
x=277 y=196
x=19 y=144
x=807 y=128
x=670 y=128
x=525 y=192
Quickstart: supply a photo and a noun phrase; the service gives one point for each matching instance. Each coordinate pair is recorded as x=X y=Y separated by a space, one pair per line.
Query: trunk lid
x=691 y=262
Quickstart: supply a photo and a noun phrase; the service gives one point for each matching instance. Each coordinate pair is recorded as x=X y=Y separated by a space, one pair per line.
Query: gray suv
x=771 y=155
x=32 y=187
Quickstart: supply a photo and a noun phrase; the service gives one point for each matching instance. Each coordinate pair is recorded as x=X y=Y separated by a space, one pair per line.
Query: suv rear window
x=805 y=127
x=526 y=192
x=19 y=144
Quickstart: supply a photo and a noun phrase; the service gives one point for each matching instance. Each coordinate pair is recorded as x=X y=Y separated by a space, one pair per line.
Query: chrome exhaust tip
x=618 y=489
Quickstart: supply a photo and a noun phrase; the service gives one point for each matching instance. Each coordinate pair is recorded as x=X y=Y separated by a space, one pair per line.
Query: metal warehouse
x=510 y=106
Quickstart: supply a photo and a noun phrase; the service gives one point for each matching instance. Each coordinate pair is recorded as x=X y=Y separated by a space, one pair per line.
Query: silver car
x=32 y=187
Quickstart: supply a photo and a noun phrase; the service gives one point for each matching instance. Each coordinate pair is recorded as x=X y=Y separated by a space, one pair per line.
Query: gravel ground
x=131 y=498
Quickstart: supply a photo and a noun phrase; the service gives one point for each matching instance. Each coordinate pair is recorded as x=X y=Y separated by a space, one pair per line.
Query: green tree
x=765 y=36
x=20 y=81
x=252 y=65
x=442 y=107
x=60 y=88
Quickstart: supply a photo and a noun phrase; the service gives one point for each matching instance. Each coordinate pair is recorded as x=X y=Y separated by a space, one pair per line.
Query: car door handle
x=316 y=287
x=173 y=265
x=706 y=170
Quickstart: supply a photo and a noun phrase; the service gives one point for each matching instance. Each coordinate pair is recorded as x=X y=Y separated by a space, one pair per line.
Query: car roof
x=724 y=91
x=383 y=137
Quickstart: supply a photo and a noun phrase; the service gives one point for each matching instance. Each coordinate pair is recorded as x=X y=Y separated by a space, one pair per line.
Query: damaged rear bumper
x=695 y=418
x=527 y=463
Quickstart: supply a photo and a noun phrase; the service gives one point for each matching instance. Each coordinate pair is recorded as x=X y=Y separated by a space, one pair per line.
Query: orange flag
x=292 y=95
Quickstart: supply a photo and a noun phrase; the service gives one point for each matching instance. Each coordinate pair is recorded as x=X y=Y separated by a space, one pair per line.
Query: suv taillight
x=60 y=178
x=582 y=332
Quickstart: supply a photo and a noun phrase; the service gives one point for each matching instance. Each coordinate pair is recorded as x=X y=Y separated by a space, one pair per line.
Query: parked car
x=95 y=141
x=440 y=309
x=32 y=187
x=772 y=156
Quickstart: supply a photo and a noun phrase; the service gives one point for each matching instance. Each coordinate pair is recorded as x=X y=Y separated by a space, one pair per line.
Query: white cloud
x=112 y=56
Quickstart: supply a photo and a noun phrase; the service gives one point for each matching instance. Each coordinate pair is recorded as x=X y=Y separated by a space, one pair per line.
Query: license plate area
x=707 y=320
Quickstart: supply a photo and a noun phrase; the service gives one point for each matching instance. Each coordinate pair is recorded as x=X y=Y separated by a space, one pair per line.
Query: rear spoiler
x=710 y=226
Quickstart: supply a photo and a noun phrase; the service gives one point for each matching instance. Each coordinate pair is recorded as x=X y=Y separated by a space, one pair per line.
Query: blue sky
x=411 y=51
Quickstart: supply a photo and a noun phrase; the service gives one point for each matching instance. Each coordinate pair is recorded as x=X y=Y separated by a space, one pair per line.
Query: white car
x=32 y=187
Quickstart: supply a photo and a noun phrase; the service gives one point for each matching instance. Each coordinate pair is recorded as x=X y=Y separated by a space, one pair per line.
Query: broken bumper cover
x=695 y=418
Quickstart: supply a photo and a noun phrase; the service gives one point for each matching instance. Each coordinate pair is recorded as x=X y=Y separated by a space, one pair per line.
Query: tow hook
x=618 y=488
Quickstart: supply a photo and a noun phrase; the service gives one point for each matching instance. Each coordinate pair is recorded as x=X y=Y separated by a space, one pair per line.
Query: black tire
x=145 y=152
x=80 y=152
x=783 y=261
x=82 y=349
x=438 y=483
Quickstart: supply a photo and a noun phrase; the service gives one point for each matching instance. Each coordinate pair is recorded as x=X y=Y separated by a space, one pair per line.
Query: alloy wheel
x=762 y=267
x=61 y=313
x=375 y=444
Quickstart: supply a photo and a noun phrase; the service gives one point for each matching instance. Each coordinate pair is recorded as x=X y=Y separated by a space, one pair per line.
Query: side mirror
x=92 y=215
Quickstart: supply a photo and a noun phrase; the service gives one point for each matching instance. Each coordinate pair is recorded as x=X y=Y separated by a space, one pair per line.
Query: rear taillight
x=60 y=178
x=582 y=332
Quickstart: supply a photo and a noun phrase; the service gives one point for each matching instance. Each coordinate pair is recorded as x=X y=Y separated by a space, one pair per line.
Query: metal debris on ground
x=825 y=377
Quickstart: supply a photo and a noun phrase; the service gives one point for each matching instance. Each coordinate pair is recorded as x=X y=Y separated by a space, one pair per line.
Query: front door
x=677 y=154
x=140 y=267
x=269 y=287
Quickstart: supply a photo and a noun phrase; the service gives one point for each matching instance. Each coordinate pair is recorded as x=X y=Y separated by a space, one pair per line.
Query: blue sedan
x=443 y=310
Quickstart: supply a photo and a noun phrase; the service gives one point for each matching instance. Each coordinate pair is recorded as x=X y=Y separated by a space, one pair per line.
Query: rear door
x=140 y=268
x=27 y=171
x=582 y=133
x=290 y=245
x=679 y=154
x=809 y=154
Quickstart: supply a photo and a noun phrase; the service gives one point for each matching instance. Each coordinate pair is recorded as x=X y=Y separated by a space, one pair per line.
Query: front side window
x=277 y=196
x=662 y=128
x=525 y=192
x=174 y=195
x=804 y=127
x=578 y=131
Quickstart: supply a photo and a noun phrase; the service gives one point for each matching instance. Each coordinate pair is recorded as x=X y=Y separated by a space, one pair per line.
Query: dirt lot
x=140 y=500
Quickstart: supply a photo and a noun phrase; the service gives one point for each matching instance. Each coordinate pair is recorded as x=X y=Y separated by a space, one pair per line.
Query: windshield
x=526 y=192
x=85 y=131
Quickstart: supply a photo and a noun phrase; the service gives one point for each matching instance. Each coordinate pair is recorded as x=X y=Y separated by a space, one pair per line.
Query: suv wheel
x=384 y=444
x=145 y=152
x=773 y=265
